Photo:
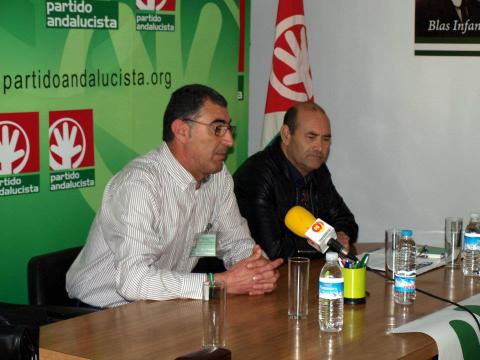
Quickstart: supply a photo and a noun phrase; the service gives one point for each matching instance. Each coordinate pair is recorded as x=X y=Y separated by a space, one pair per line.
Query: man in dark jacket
x=292 y=171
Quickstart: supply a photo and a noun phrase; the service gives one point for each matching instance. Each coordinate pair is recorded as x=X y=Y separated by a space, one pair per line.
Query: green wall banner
x=83 y=86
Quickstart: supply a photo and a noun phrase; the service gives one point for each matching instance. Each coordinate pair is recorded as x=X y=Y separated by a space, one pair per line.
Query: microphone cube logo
x=71 y=149
x=319 y=233
x=155 y=15
x=317 y=226
x=19 y=153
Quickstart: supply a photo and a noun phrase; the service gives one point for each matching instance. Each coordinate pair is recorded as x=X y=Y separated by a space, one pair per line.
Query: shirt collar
x=299 y=180
x=180 y=175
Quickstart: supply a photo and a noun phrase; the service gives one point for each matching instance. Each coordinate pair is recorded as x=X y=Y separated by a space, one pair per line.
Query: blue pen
x=347 y=264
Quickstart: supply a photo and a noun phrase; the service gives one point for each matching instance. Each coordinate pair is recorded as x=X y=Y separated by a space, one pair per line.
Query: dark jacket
x=265 y=191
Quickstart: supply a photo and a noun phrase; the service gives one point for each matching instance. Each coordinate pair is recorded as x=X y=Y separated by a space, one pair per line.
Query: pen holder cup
x=354 y=285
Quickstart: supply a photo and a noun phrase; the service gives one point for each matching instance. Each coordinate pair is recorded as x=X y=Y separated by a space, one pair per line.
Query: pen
x=340 y=262
x=421 y=265
x=211 y=278
x=362 y=262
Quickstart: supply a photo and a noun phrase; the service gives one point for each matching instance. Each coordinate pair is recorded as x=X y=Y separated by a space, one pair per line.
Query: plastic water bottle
x=330 y=295
x=471 y=247
x=405 y=271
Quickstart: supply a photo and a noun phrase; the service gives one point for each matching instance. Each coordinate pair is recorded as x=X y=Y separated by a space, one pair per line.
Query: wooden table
x=258 y=326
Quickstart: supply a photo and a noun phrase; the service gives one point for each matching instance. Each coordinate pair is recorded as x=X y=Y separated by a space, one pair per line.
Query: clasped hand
x=254 y=275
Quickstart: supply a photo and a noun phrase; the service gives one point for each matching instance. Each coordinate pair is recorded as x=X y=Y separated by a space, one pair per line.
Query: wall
x=404 y=127
x=123 y=119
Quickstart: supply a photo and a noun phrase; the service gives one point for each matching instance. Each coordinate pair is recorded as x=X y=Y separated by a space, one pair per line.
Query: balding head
x=291 y=116
x=306 y=136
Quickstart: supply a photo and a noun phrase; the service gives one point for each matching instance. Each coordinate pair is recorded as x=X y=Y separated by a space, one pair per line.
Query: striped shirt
x=140 y=241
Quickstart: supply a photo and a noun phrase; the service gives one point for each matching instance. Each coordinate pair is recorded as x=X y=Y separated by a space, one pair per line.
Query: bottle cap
x=406 y=233
x=332 y=256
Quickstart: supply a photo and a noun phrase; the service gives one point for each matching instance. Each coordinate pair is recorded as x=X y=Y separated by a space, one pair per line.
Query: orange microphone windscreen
x=298 y=220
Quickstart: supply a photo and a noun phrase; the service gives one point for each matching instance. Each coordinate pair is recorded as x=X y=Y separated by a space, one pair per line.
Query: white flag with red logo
x=291 y=78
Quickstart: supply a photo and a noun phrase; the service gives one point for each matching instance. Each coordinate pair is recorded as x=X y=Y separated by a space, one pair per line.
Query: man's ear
x=285 y=134
x=181 y=130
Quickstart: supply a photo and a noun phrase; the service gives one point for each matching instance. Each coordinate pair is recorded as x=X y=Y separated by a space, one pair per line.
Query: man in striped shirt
x=153 y=211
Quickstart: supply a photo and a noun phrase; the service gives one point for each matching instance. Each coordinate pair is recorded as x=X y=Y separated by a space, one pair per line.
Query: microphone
x=321 y=235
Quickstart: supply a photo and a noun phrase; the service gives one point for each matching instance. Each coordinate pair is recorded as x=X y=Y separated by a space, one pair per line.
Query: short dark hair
x=186 y=102
x=290 y=117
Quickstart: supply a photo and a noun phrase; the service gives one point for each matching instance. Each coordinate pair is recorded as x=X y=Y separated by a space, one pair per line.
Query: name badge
x=205 y=244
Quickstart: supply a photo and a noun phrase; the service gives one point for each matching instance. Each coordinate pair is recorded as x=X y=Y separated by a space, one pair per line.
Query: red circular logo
x=318 y=226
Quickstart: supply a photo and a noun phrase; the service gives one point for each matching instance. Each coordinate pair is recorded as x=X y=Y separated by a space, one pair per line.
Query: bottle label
x=405 y=282
x=331 y=288
x=471 y=241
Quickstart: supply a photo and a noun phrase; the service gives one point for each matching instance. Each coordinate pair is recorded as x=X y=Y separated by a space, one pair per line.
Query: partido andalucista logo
x=71 y=149
x=155 y=15
x=19 y=154
x=82 y=14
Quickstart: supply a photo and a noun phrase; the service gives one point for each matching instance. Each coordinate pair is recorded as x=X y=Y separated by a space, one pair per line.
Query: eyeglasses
x=218 y=127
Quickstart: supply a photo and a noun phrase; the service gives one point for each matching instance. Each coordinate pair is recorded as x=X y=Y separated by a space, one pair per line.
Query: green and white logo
x=82 y=14
x=149 y=17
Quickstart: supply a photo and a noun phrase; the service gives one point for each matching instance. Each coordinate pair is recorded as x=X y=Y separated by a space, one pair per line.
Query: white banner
x=453 y=329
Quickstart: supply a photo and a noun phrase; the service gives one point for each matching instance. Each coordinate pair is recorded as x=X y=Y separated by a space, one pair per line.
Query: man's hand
x=343 y=239
x=254 y=275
